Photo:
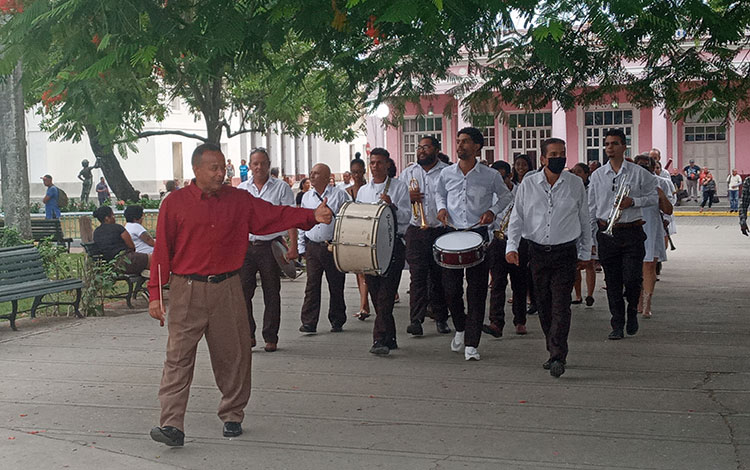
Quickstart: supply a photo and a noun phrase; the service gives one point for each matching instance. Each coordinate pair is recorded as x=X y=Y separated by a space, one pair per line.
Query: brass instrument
x=614 y=214
x=500 y=233
x=417 y=208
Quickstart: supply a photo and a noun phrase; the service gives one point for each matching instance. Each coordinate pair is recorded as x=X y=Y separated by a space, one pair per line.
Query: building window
x=705 y=133
x=597 y=124
x=414 y=129
x=488 y=150
x=527 y=132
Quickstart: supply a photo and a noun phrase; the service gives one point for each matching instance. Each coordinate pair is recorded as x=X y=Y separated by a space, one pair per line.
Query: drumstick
x=161 y=296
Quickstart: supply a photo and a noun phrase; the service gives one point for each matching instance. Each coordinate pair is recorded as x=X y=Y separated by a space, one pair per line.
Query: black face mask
x=556 y=165
x=427 y=161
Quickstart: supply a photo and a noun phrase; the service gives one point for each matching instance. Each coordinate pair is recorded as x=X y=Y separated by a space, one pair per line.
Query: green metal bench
x=22 y=276
x=43 y=228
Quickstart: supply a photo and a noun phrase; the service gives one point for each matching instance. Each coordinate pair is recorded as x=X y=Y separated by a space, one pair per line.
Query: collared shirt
x=604 y=184
x=551 y=215
x=322 y=232
x=399 y=194
x=745 y=200
x=344 y=185
x=467 y=197
x=274 y=191
x=428 y=182
x=204 y=235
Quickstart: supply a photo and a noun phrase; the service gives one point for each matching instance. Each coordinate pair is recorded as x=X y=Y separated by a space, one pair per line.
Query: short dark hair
x=444 y=158
x=102 y=213
x=433 y=140
x=646 y=158
x=357 y=155
x=584 y=168
x=170 y=185
x=616 y=133
x=195 y=160
x=133 y=213
x=302 y=183
x=501 y=165
x=551 y=140
x=391 y=168
x=474 y=133
x=357 y=161
x=380 y=151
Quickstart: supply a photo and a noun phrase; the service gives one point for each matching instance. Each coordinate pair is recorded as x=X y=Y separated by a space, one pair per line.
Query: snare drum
x=459 y=250
x=363 y=238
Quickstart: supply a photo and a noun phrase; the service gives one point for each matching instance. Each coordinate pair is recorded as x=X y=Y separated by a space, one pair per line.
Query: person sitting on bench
x=110 y=239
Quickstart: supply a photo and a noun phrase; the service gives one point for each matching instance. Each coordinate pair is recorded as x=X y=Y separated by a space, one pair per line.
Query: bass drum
x=363 y=238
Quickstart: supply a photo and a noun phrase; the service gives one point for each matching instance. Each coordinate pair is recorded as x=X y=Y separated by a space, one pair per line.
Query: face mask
x=556 y=165
x=427 y=161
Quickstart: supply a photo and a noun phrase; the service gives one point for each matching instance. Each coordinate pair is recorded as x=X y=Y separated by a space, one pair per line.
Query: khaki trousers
x=218 y=312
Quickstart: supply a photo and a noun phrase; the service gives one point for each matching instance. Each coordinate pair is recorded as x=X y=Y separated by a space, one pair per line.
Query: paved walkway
x=81 y=394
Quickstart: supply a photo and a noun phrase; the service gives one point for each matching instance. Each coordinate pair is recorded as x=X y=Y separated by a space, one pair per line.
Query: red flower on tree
x=373 y=31
x=11 y=6
x=49 y=99
x=96 y=40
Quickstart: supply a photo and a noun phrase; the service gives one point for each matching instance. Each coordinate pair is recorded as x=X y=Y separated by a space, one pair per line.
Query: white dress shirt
x=311 y=200
x=428 y=183
x=399 y=194
x=551 y=215
x=344 y=185
x=604 y=183
x=274 y=191
x=467 y=197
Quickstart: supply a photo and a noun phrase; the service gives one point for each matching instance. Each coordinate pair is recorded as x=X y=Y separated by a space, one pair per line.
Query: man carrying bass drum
x=465 y=201
x=382 y=189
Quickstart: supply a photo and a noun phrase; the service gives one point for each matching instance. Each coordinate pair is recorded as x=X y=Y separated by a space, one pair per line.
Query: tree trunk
x=211 y=110
x=110 y=165
x=13 y=165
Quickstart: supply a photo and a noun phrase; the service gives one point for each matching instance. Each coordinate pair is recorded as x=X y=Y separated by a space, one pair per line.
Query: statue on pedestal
x=86 y=179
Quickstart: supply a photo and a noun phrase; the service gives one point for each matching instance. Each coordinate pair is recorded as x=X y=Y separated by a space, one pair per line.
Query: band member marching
x=621 y=249
x=551 y=212
x=465 y=202
x=425 y=286
x=383 y=189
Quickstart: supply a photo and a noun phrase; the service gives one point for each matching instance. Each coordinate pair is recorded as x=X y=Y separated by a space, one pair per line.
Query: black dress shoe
x=380 y=349
x=414 y=329
x=168 y=435
x=532 y=309
x=546 y=365
x=232 y=429
x=391 y=343
x=493 y=330
x=556 y=368
x=337 y=328
x=616 y=334
x=631 y=327
x=305 y=328
x=442 y=327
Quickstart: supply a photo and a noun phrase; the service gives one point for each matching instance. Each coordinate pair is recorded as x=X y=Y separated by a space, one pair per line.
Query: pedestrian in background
x=102 y=192
x=692 y=173
x=734 y=181
x=709 y=189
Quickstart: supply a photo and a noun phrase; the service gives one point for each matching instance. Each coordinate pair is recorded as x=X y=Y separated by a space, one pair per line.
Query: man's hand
x=744 y=229
x=512 y=258
x=292 y=254
x=626 y=202
x=323 y=213
x=156 y=312
x=585 y=264
x=386 y=199
x=487 y=218
x=442 y=216
x=415 y=196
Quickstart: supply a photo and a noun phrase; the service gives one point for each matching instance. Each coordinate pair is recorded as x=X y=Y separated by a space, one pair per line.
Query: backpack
x=62 y=198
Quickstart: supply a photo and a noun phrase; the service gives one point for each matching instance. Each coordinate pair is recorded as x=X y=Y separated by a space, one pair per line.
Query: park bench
x=135 y=281
x=44 y=228
x=22 y=276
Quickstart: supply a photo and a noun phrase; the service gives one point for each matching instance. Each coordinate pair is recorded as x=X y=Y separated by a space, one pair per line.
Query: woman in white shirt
x=142 y=240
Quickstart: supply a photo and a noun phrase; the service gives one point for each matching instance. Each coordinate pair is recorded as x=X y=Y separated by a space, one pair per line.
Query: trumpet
x=500 y=233
x=614 y=214
x=417 y=208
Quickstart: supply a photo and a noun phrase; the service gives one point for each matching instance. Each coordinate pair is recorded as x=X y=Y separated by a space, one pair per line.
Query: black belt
x=637 y=223
x=211 y=278
x=550 y=248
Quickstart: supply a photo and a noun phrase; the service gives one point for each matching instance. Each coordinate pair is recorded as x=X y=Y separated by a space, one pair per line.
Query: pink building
x=710 y=144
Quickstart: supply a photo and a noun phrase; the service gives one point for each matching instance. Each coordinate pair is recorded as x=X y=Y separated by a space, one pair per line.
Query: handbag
x=715 y=199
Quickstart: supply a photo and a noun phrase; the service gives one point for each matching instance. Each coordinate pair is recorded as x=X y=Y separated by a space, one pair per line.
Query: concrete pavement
x=81 y=394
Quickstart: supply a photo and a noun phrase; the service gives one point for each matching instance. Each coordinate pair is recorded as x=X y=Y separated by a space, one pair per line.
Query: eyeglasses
x=424 y=147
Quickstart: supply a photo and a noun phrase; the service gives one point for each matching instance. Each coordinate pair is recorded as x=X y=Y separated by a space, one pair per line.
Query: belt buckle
x=213 y=279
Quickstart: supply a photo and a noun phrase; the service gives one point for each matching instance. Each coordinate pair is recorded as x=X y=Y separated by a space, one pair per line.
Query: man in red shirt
x=201 y=235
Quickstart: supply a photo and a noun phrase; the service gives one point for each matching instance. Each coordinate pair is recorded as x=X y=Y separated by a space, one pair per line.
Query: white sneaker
x=471 y=353
x=457 y=343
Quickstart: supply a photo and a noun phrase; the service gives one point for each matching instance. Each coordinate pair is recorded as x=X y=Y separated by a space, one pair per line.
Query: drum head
x=458 y=241
x=384 y=239
x=279 y=254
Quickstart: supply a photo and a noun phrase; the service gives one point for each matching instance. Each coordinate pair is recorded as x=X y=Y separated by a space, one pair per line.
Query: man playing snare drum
x=465 y=202
x=383 y=289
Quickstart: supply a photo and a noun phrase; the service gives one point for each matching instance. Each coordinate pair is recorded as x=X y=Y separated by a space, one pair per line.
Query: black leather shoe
x=556 y=369
x=547 y=364
x=414 y=329
x=337 y=328
x=232 y=429
x=380 y=349
x=631 y=327
x=616 y=334
x=305 y=328
x=442 y=327
x=493 y=330
x=168 y=435
x=532 y=309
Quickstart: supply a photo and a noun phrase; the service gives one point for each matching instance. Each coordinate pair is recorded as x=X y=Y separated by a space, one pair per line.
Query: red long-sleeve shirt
x=199 y=234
